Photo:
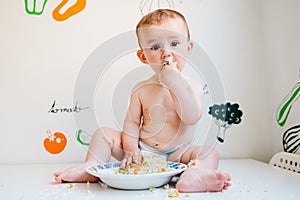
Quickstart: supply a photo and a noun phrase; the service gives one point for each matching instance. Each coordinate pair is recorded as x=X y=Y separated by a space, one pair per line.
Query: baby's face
x=165 y=43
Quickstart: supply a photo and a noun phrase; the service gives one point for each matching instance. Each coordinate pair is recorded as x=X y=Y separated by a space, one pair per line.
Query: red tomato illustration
x=55 y=142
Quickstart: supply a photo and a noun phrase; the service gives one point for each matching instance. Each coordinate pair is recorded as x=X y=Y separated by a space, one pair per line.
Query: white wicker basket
x=286 y=161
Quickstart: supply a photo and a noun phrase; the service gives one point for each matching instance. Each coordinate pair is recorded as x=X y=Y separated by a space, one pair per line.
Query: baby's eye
x=175 y=44
x=155 y=47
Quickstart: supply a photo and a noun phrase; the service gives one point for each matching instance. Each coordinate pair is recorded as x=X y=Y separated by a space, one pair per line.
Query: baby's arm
x=130 y=135
x=186 y=94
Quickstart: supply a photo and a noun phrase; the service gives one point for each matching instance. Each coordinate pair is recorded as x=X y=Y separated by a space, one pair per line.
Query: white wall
x=281 y=36
x=230 y=32
x=41 y=59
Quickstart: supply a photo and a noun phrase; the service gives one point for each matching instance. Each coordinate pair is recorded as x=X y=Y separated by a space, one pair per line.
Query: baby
x=162 y=112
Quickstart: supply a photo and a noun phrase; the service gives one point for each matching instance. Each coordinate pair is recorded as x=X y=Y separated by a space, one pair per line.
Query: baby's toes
x=221 y=176
x=227 y=184
x=56 y=173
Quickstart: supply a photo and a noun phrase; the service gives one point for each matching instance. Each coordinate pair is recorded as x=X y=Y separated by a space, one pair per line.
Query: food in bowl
x=152 y=163
x=154 y=172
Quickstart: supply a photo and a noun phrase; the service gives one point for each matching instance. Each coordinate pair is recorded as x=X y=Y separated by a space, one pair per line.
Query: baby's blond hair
x=158 y=17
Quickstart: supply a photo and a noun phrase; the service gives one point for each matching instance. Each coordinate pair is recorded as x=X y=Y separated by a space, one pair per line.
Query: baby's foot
x=202 y=180
x=76 y=174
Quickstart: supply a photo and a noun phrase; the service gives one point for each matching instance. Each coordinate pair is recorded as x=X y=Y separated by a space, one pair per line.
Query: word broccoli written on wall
x=225 y=115
x=291 y=137
x=38 y=7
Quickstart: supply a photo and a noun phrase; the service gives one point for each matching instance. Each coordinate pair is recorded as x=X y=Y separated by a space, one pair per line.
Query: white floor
x=251 y=180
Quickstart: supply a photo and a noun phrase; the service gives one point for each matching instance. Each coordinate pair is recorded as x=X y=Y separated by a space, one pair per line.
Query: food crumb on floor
x=173 y=193
x=152 y=189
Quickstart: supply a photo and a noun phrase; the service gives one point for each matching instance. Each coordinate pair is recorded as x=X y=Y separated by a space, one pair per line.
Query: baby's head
x=159 y=17
x=163 y=36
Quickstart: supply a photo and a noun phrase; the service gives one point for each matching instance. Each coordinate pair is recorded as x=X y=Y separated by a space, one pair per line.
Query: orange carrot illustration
x=76 y=8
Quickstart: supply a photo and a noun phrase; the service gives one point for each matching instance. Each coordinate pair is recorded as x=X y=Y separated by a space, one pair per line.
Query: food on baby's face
x=169 y=64
x=152 y=163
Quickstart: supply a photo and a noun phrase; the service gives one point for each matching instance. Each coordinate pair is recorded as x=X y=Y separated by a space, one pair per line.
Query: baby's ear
x=190 y=46
x=142 y=57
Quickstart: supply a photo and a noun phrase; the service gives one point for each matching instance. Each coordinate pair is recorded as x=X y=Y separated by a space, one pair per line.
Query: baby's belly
x=167 y=137
x=162 y=128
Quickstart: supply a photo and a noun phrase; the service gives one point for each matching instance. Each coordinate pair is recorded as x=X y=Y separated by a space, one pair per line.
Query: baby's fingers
x=126 y=161
x=123 y=164
x=137 y=158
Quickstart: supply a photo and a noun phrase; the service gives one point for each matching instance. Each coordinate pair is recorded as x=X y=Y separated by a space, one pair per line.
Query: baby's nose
x=166 y=53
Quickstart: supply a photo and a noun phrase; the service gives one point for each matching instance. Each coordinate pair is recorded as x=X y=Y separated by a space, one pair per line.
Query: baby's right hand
x=169 y=74
x=131 y=158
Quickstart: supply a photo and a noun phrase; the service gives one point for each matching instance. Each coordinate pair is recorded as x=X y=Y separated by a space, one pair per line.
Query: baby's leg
x=105 y=143
x=203 y=176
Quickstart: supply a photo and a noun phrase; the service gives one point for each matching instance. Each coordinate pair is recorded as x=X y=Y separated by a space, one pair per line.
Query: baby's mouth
x=166 y=63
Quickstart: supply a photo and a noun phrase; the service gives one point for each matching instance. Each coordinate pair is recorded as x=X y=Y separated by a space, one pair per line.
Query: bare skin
x=162 y=113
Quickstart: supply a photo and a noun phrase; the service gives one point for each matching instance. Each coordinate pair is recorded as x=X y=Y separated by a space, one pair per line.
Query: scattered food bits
x=181 y=167
x=136 y=168
x=121 y=171
x=193 y=163
x=266 y=190
x=166 y=186
x=95 y=169
x=88 y=184
x=70 y=186
x=187 y=195
x=152 y=189
x=173 y=193
x=163 y=169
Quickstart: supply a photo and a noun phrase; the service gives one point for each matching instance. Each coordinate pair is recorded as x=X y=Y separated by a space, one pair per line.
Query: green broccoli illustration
x=225 y=115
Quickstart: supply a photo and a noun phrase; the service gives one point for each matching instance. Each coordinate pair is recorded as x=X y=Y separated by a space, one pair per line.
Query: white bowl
x=107 y=173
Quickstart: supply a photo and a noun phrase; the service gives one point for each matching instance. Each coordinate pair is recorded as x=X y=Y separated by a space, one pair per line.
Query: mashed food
x=152 y=163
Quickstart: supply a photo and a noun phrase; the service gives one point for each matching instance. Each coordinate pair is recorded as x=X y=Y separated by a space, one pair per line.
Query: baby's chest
x=158 y=104
x=157 y=97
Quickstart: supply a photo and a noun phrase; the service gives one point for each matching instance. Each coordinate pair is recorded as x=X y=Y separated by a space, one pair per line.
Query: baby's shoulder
x=141 y=85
